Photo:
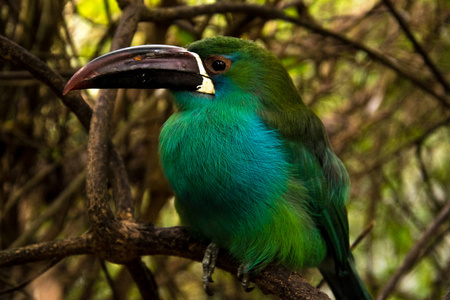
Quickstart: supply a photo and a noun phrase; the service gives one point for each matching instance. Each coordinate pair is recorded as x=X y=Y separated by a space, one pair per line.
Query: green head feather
x=253 y=70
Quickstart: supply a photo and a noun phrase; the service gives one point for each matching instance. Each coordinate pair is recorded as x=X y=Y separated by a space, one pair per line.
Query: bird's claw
x=209 y=264
x=244 y=277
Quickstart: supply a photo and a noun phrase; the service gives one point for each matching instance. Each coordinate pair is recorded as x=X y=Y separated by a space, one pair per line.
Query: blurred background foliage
x=392 y=135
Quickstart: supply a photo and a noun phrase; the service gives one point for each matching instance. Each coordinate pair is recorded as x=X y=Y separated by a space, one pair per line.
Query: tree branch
x=105 y=225
x=417 y=45
x=16 y=54
x=109 y=280
x=144 y=279
x=46 y=251
x=54 y=208
x=122 y=38
x=24 y=283
x=380 y=162
x=101 y=216
x=412 y=257
x=174 y=241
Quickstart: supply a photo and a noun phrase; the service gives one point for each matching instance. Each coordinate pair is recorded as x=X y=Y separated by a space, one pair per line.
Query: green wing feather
x=325 y=178
x=319 y=170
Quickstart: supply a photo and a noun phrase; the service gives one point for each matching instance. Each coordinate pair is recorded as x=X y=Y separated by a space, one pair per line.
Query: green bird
x=250 y=164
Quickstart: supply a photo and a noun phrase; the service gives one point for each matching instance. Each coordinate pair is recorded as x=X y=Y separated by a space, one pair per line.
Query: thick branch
x=122 y=38
x=104 y=224
x=175 y=241
x=101 y=216
x=46 y=251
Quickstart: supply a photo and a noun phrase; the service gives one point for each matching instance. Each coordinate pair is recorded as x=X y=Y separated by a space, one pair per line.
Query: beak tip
x=75 y=84
x=70 y=86
x=66 y=90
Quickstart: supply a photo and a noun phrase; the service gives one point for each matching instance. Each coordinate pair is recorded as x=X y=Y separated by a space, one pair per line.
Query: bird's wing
x=320 y=171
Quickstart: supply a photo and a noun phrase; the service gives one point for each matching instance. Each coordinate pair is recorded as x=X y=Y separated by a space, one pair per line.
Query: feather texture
x=231 y=178
x=253 y=171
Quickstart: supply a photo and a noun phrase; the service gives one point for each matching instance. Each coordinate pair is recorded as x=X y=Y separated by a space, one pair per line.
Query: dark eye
x=216 y=64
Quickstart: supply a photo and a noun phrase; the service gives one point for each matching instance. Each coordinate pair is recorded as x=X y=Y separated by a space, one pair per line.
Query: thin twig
x=144 y=279
x=426 y=58
x=413 y=255
x=185 y=12
x=109 y=280
x=69 y=40
x=107 y=12
x=53 y=209
x=362 y=235
x=41 y=175
x=387 y=158
x=426 y=179
x=26 y=282
x=400 y=204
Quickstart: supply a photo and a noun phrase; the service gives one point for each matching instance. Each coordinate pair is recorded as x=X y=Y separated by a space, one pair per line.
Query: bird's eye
x=216 y=64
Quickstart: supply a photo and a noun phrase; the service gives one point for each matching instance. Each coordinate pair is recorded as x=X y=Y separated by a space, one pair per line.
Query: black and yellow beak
x=144 y=67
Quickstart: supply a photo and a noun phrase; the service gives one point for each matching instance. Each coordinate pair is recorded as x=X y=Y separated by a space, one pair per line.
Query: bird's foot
x=244 y=277
x=209 y=264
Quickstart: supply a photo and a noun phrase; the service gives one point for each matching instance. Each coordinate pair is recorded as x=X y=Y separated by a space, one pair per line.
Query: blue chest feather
x=224 y=166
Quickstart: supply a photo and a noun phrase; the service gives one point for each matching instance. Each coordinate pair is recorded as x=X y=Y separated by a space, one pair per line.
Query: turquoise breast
x=226 y=170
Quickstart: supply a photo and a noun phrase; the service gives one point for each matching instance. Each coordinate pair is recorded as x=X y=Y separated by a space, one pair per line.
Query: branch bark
x=100 y=214
x=173 y=241
x=46 y=251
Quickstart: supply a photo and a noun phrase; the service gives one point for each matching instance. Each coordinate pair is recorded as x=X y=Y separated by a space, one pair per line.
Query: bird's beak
x=144 y=67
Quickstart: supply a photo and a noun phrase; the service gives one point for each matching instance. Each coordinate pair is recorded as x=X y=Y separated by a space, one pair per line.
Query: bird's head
x=214 y=69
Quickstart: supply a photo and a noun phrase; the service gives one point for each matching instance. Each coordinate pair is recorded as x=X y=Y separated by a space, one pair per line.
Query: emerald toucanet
x=250 y=164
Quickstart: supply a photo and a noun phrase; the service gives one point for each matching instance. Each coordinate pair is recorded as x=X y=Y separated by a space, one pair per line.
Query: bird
x=250 y=164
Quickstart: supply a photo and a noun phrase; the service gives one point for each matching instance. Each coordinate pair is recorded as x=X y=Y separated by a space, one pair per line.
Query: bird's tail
x=345 y=283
